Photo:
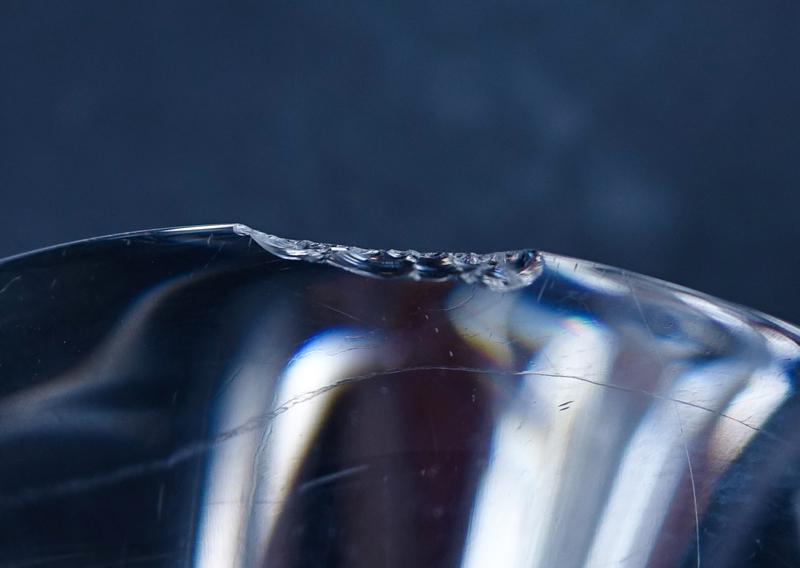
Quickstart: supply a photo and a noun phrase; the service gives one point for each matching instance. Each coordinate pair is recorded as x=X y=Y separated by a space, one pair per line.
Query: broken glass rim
x=529 y=262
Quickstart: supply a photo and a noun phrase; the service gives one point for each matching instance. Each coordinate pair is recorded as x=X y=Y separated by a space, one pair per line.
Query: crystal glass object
x=216 y=397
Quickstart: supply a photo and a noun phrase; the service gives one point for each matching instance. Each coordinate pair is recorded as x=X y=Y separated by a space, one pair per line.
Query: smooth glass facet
x=216 y=397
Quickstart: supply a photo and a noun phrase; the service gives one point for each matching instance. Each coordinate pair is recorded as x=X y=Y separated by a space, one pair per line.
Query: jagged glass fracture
x=216 y=397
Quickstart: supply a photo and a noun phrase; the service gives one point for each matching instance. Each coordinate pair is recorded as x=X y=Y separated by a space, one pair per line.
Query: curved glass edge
x=215 y=228
x=502 y=271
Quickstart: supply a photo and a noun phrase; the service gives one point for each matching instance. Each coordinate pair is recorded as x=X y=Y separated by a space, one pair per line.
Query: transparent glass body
x=216 y=397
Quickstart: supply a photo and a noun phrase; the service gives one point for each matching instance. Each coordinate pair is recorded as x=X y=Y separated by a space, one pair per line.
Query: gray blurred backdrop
x=660 y=136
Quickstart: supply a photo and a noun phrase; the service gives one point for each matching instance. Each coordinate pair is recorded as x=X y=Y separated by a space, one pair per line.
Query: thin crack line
x=10 y=283
x=678 y=416
x=324 y=479
x=196 y=448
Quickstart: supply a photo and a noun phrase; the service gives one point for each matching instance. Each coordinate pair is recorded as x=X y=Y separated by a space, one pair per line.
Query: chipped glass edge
x=501 y=271
x=507 y=271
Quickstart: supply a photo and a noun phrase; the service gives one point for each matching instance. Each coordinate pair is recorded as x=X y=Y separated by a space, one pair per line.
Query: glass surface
x=216 y=397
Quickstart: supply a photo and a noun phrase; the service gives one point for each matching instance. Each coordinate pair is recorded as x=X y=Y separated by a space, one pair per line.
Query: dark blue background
x=659 y=136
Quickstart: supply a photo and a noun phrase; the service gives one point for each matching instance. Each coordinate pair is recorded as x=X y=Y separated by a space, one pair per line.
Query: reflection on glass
x=216 y=397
